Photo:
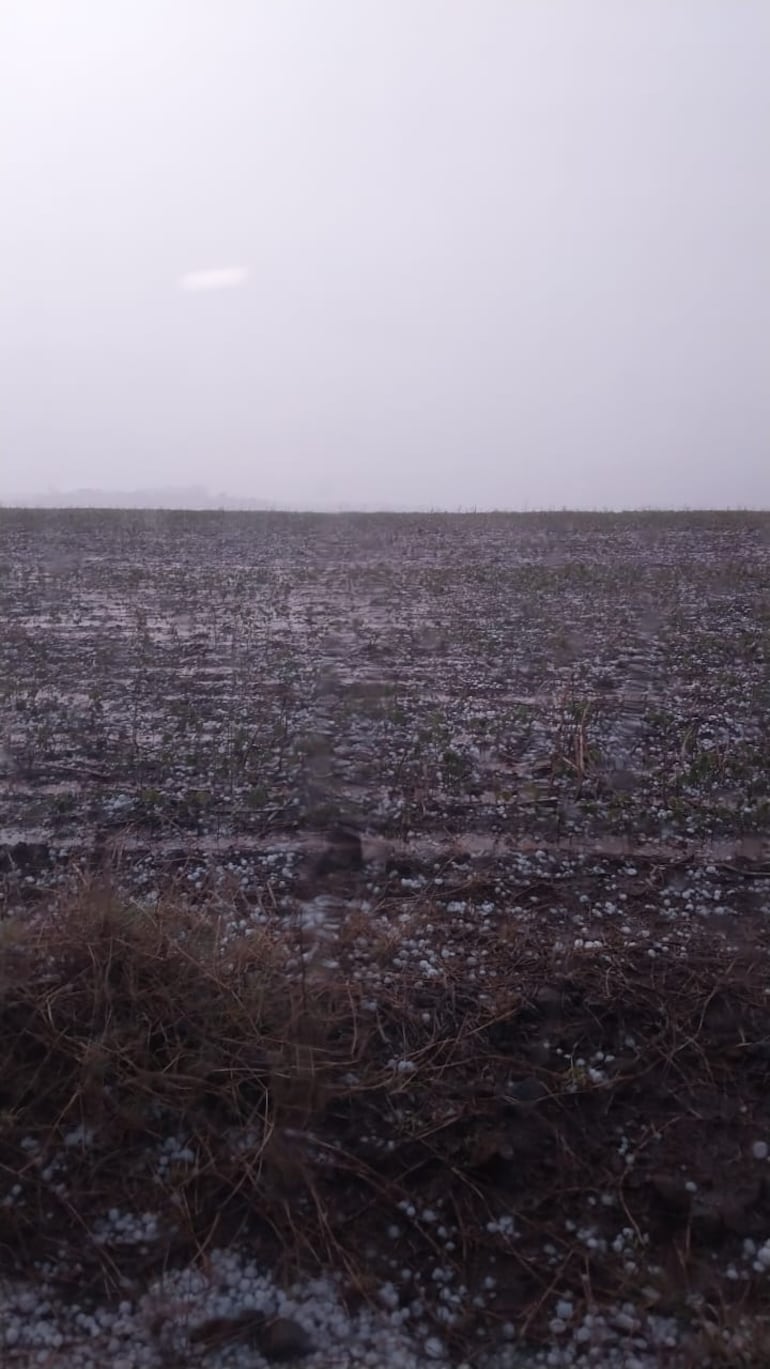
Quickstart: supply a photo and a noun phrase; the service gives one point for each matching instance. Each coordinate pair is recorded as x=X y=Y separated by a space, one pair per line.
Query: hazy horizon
x=199 y=499
x=409 y=254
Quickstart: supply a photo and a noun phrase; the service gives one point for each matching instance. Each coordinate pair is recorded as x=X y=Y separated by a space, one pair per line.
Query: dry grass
x=127 y=1027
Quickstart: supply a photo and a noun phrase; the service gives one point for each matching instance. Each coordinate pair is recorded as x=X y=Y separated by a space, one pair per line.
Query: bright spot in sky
x=216 y=278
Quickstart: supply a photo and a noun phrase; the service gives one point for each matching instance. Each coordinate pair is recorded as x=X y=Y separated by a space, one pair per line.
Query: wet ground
x=481 y=683
x=552 y=734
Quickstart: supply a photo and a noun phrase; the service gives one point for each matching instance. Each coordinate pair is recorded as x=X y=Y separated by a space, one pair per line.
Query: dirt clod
x=283 y=1340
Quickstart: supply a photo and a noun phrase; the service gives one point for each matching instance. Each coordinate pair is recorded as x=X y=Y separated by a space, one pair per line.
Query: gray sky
x=493 y=252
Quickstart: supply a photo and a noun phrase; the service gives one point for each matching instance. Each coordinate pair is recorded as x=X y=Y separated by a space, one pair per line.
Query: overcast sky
x=509 y=253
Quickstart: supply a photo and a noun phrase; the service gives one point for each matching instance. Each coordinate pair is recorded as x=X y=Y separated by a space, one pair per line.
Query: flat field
x=504 y=1067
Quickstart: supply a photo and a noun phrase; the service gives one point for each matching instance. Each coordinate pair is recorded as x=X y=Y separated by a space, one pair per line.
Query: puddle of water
x=14 y=836
x=426 y=847
x=479 y=844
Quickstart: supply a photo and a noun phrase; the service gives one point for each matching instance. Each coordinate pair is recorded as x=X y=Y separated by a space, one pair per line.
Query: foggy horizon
x=196 y=499
x=414 y=255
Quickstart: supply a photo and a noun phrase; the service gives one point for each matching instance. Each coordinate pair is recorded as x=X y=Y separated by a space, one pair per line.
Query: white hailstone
x=433 y=1348
x=389 y=1297
x=760 y=1150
